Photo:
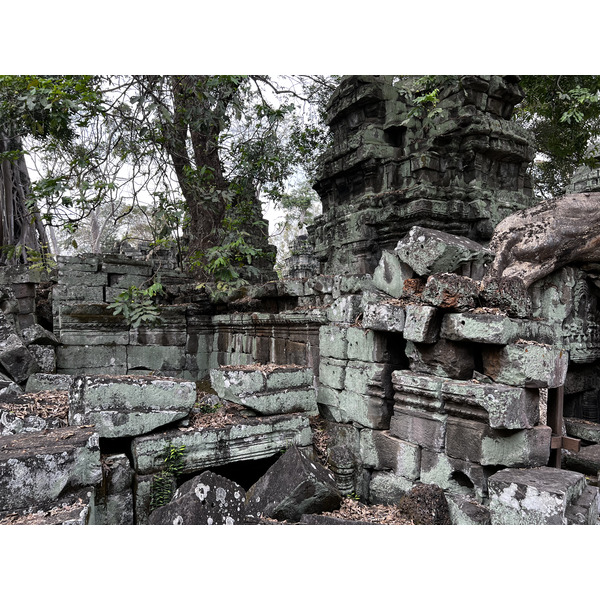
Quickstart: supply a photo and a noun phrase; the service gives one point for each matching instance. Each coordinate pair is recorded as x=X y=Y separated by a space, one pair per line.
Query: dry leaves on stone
x=47 y=405
x=41 y=517
x=376 y=514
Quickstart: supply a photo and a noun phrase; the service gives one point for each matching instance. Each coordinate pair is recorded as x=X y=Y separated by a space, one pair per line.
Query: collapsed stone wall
x=422 y=374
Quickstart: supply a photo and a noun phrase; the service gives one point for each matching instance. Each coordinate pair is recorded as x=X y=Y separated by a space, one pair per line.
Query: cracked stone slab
x=293 y=486
x=526 y=364
x=276 y=390
x=35 y=468
x=123 y=406
x=430 y=251
x=252 y=439
x=539 y=496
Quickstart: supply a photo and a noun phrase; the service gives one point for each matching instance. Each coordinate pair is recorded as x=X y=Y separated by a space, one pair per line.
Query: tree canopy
x=186 y=159
x=191 y=153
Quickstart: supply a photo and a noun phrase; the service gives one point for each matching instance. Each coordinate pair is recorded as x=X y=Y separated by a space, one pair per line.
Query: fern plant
x=138 y=306
x=163 y=483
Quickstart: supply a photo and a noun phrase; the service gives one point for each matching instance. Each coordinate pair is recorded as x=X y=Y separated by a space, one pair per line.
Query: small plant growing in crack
x=163 y=483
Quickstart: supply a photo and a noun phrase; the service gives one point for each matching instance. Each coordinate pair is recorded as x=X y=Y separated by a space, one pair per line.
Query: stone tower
x=461 y=171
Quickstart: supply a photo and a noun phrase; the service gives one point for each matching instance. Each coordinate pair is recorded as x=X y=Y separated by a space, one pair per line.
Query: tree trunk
x=21 y=229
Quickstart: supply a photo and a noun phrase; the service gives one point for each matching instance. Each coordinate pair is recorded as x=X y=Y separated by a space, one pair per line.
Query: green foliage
x=138 y=306
x=46 y=107
x=207 y=408
x=163 y=483
x=563 y=113
x=37 y=260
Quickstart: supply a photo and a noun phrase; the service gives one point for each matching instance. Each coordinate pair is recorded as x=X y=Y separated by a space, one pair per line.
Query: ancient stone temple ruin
x=396 y=363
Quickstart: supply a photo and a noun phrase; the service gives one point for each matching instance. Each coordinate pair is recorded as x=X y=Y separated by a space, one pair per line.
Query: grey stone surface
x=538 y=496
x=44 y=356
x=506 y=407
x=383 y=316
x=277 y=390
x=587 y=460
x=250 y=439
x=482 y=328
x=333 y=341
x=390 y=274
x=429 y=251
x=36 y=334
x=381 y=451
x=293 y=486
x=207 y=499
x=426 y=429
x=444 y=359
x=454 y=475
x=332 y=372
x=584 y=430
x=40 y=382
x=114 y=499
x=345 y=309
x=526 y=364
x=129 y=405
x=387 y=488
x=466 y=511
x=422 y=323
x=15 y=358
x=35 y=468
x=478 y=443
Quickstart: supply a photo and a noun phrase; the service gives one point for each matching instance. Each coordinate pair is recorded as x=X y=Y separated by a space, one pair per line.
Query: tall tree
x=213 y=143
x=563 y=112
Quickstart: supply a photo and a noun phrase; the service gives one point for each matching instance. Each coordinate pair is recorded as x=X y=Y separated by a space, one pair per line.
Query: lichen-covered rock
x=539 y=496
x=248 y=439
x=448 y=290
x=466 y=511
x=293 y=486
x=15 y=358
x=268 y=391
x=429 y=251
x=383 y=316
x=526 y=364
x=422 y=324
x=390 y=274
x=207 y=499
x=40 y=382
x=129 y=405
x=35 y=468
x=482 y=328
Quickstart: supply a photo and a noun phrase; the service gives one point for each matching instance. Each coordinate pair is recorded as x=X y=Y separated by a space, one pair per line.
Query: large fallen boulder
x=207 y=499
x=127 y=405
x=15 y=359
x=429 y=251
x=293 y=486
x=36 y=468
